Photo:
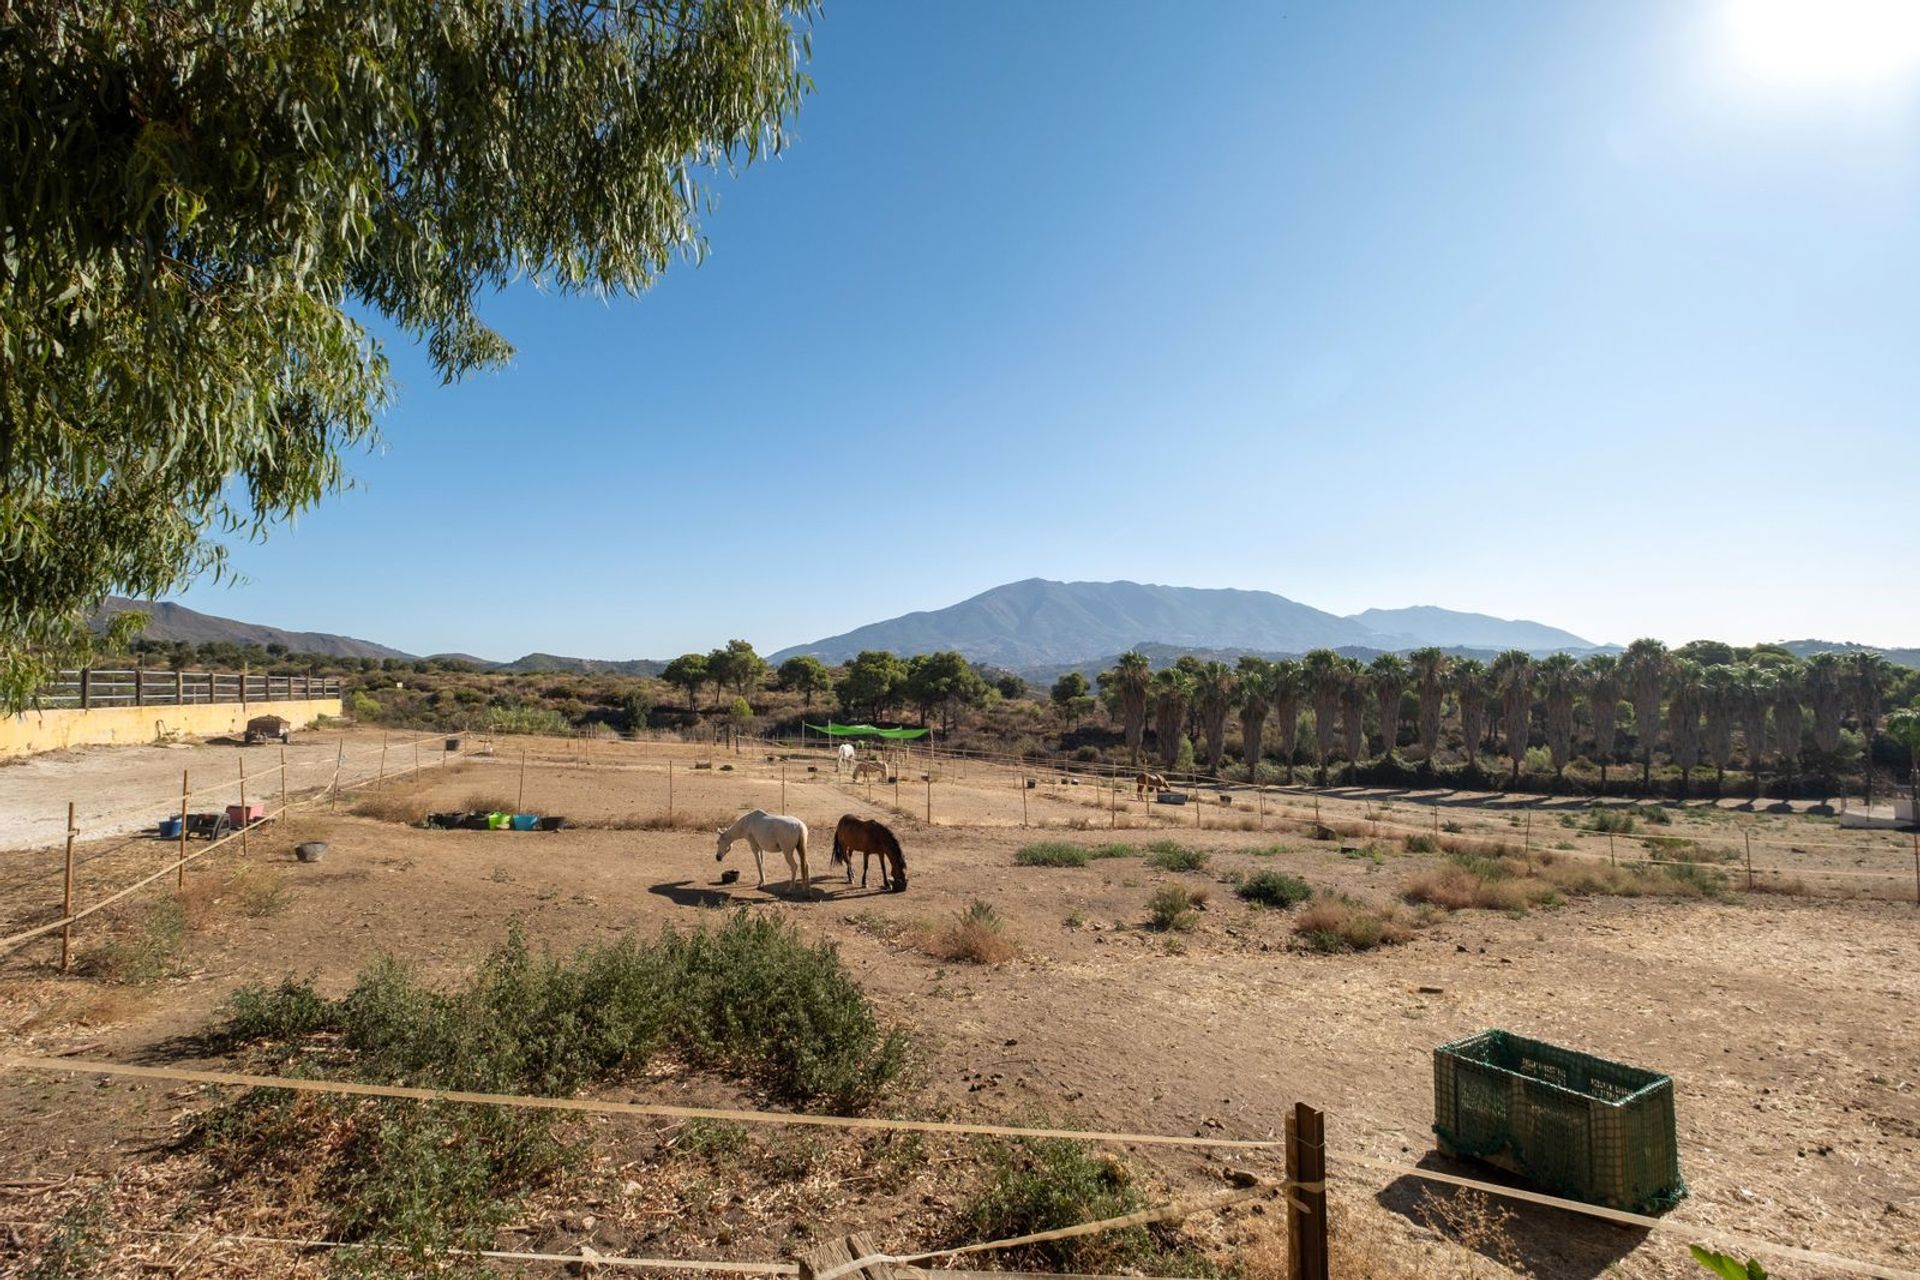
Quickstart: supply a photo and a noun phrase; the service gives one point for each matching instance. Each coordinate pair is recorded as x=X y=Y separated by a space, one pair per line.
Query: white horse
x=764 y=831
x=843 y=759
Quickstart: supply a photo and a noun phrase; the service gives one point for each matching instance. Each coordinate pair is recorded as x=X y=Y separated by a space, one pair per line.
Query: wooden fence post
x=182 y=859
x=783 y=786
x=1306 y=1210
x=669 y=793
x=283 y=779
x=86 y=688
x=244 y=824
x=66 y=899
x=520 y=804
x=1113 y=803
x=382 y=780
x=1749 y=861
x=416 y=755
x=929 y=793
x=339 y=762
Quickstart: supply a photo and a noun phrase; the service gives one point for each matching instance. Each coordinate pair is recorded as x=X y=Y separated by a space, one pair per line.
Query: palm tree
x=1786 y=720
x=1325 y=676
x=1644 y=667
x=1214 y=689
x=1469 y=682
x=1560 y=684
x=1430 y=678
x=1129 y=679
x=1256 y=686
x=1683 y=717
x=1826 y=698
x=1720 y=699
x=1601 y=673
x=1353 y=711
x=1512 y=675
x=1868 y=675
x=1388 y=676
x=1286 y=685
x=1903 y=726
x=1754 y=687
x=1170 y=690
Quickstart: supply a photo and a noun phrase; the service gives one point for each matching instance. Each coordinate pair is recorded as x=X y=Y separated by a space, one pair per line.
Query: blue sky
x=1602 y=314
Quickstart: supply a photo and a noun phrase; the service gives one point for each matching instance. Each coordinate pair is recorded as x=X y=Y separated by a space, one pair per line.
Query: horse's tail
x=839 y=852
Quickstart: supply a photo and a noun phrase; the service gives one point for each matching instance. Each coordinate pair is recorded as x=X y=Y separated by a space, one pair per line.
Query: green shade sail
x=865 y=731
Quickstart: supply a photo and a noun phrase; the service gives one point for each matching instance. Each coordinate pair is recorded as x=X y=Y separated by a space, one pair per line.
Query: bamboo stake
x=382 y=780
x=283 y=779
x=1749 y=836
x=66 y=899
x=416 y=755
x=244 y=824
x=520 y=802
x=1611 y=860
x=184 y=793
x=783 y=786
x=1113 y=803
x=1262 y=792
x=1022 y=782
x=669 y=792
x=339 y=760
x=929 y=797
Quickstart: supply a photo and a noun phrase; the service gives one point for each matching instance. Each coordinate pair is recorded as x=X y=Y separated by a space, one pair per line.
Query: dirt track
x=1789 y=1023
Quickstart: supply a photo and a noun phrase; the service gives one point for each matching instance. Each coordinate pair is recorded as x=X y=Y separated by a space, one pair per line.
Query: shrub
x=1051 y=853
x=1114 y=851
x=1173 y=907
x=1044 y=1184
x=1169 y=855
x=1339 y=923
x=975 y=936
x=1613 y=821
x=387 y=806
x=1273 y=889
x=1422 y=844
x=149 y=951
x=750 y=999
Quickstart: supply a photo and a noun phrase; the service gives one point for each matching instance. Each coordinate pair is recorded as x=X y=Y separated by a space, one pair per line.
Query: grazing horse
x=866 y=767
x=870 y=839
x=763 y=831
x=1145 y=784
x=843 y=758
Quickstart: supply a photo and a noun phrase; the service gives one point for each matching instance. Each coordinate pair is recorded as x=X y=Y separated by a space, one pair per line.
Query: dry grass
x=1339 y=923
x=1363 y=1245
x=660 y=820
x=389 y=806
x=974 y=936
x=488 y=802
x=1513 y=884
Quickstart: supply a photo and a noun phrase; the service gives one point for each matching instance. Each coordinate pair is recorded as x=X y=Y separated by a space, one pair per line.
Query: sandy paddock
x=1788 y=1021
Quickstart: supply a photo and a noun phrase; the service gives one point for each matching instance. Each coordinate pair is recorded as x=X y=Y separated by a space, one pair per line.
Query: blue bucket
x=169 y=828
x=525 y=821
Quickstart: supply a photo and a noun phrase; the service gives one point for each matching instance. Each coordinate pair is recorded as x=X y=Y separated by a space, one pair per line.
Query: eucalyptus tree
x=1644 y=667
x=1469 y=680
x=1287 y=686
x=214 y=212
x=1354 y=695
x=1903 y=726
x=1215 y=691
x=1601 y=673
x=1129 y=680
x=1867 y=677
x=1429 y=667
x=1560 y=687
x=1720 y=701
x=1512 y=676
x=1787 y=722
x=1753 y=694
x=1325 y=674
x=1387 y=675
x=1683 y=717
x=1171 y=690
x=1256 y=700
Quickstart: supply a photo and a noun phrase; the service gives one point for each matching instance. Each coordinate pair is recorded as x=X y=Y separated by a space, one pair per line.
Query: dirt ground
x=1787 y=1020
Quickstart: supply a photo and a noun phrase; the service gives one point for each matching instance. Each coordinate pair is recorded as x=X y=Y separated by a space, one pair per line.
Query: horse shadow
x=684 y=893
x=1541 y=1240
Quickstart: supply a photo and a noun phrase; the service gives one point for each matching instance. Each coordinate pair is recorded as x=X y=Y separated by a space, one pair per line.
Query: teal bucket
x=525 y=821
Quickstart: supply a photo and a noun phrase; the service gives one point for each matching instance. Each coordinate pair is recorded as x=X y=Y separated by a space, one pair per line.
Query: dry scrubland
x=1101 y=970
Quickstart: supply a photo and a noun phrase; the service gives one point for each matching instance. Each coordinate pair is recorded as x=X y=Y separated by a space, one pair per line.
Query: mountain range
x=1036 y=628
x=1038 y=623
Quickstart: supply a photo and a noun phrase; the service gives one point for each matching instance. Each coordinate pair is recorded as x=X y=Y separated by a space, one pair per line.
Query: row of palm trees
x=1711 y=704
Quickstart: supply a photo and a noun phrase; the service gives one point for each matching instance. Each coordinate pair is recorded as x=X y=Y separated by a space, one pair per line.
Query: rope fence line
x=178 y=864
x=1697 y=1232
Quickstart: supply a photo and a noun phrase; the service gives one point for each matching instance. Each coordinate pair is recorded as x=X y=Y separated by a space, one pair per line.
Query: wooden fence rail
x=151 y=687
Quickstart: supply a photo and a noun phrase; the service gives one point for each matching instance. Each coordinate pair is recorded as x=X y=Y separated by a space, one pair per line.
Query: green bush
x=751 y=999
x=1274 y=889
x=1422 y=844
x=1614 y=821
x=1051 y=853
x=1044 y=1184
x=1169 y=855
x=1172 y=907
x=1116 y=850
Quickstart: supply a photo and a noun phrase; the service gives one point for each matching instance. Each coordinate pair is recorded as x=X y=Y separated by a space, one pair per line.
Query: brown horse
x=870 y=839
x=1145 y=784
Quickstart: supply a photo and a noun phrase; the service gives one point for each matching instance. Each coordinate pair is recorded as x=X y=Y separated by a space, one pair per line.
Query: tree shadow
x=1543 y=1241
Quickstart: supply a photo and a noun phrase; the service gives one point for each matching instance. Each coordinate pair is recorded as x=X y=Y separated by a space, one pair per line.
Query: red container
x=245 y=815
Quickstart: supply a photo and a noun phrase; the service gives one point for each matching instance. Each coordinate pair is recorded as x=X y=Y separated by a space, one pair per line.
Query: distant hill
x=1806 y=648
x=171 y=623
x=548 y=663
x=1430 y=625
x=1035 y=624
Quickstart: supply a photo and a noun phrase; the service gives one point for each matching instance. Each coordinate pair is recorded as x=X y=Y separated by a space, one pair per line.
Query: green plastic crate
x=1580 y=1126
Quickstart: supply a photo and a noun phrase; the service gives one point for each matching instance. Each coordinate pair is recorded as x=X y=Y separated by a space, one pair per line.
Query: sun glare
x=1818 y=43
